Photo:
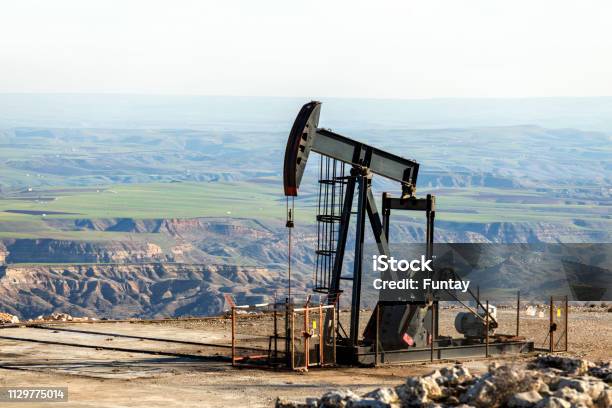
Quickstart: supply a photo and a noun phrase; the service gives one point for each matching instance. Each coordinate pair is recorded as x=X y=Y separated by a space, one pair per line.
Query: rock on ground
x=8 y=318
x=550 y=381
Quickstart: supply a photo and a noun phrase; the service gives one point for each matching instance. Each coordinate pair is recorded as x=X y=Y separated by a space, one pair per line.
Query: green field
x=261 y=201
x=152 y=200
x=144 y=201
x=480 y=175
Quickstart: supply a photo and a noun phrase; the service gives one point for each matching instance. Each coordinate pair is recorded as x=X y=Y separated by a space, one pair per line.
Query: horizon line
x=434 y=98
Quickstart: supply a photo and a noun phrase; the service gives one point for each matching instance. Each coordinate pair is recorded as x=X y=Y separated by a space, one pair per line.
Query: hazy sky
x=381 y=48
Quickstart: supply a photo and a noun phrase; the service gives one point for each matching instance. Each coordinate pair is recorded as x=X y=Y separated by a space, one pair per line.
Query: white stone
x=524 y=399
x=576 y=398
x=589 y=385
x=337 y=398
x=553 y=402
x=386 y=395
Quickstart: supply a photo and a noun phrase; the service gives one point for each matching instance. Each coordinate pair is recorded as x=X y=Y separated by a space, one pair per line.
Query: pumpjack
x=405 y=330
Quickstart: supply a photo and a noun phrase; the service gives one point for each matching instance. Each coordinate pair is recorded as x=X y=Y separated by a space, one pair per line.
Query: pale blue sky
x=379 y=49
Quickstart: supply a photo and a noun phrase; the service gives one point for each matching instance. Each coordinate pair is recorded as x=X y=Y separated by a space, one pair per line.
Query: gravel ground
x=98 y=376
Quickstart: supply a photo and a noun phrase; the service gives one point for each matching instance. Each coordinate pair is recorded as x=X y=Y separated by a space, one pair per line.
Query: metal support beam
x=386 y=214
x=430 y=213
x=377 y=227
x=413 y=203
x=362 y=198
x=350 y=151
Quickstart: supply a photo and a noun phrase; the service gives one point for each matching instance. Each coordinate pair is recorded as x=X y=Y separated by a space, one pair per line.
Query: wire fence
x=281 y=335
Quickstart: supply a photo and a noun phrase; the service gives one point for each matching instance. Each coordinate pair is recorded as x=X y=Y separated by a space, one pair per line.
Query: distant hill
x=121 y=111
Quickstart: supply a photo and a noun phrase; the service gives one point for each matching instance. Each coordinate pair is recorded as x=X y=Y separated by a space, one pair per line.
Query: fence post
x=307 y=337
x=288 y=332
x=275 y=333
x=551 y=347
x=518 y=312
x=292 y=342
x=377 y=337
x=566 y=322
x=233 y=336
x=487 y=331
x=333 y=330
x=431 y=351
x=321 y=339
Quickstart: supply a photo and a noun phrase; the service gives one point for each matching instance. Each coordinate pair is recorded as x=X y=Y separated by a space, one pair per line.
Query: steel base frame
x=365 y=356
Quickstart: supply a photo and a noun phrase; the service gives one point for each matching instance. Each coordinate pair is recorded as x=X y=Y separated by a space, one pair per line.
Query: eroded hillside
x=178 y=267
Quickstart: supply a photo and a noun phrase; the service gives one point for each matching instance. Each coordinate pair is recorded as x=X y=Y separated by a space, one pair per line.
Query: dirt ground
x=180 y=363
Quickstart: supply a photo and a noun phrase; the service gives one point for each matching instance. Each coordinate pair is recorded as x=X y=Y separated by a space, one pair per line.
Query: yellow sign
x=314 y=324
x=558 y=312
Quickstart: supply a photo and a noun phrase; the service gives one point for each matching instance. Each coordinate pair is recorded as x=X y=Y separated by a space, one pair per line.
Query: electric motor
x=473 y=326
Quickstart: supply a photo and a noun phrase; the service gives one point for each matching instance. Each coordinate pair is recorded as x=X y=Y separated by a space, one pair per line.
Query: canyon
x=185 y=267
